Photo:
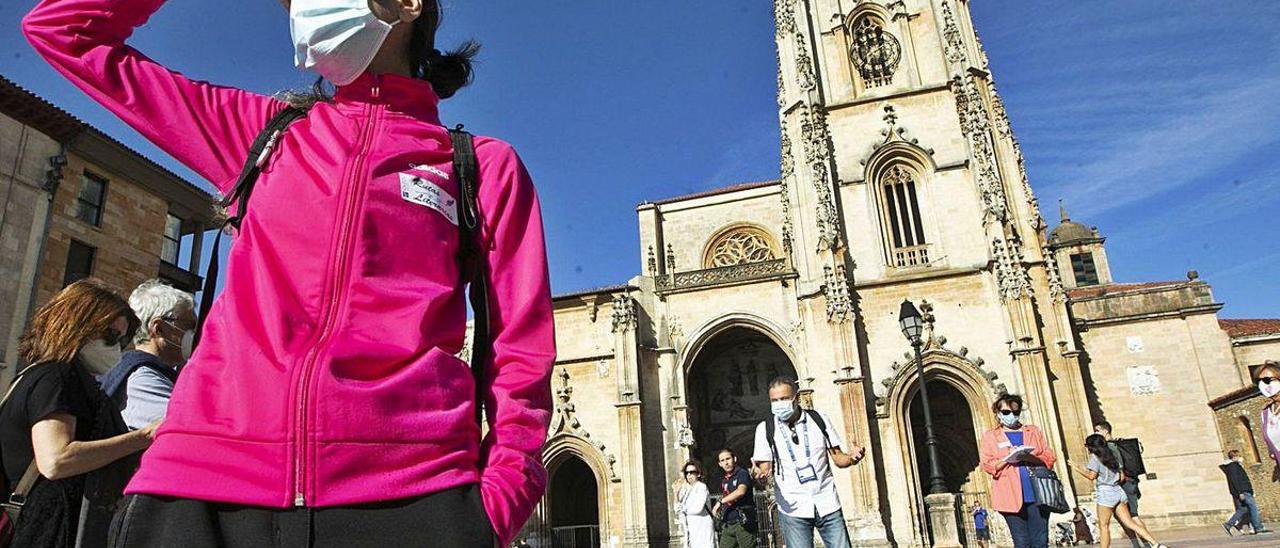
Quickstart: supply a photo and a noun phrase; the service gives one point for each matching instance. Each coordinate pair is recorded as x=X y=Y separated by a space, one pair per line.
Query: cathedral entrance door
x=573 y=497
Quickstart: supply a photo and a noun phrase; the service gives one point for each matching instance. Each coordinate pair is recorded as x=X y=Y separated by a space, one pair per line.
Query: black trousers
x=452 y=518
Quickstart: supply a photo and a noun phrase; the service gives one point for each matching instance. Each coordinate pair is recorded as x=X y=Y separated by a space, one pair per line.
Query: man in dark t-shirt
x=737 y=506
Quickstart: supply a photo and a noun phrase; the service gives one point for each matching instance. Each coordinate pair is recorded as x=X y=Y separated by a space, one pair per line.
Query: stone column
x=944 y=520
x=866 y=525
x=626 y=346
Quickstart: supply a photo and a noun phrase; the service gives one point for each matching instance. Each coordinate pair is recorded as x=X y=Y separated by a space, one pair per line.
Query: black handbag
x=1048 y=490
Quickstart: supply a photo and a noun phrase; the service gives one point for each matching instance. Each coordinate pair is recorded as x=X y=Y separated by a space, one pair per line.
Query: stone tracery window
x=874 y=52
x=740 y=246
x=900 y=208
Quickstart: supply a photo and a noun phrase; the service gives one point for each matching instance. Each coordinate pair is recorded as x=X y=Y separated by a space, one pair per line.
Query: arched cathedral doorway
x=953 y=424
x=728 y=392
x=573 y=505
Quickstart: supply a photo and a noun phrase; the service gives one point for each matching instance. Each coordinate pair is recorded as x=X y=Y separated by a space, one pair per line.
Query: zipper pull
x=299 y=500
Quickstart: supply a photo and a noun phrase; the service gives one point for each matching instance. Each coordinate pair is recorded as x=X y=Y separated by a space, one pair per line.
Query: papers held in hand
x=1018 y=454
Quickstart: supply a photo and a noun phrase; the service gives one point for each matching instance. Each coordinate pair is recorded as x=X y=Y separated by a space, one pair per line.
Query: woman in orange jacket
x=1008 y=452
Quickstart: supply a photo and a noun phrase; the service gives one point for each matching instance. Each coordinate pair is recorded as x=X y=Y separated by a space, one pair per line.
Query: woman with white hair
x=142 y=382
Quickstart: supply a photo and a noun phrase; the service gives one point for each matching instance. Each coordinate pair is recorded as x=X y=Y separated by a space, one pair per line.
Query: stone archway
x=727 y=391
x=573 y=508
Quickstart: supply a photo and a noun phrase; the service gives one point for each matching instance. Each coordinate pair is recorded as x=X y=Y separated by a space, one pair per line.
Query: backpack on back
x=1131 y=457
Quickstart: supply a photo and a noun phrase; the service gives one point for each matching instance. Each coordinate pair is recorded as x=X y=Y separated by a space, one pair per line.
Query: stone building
x=78 y=203
x=901 y=179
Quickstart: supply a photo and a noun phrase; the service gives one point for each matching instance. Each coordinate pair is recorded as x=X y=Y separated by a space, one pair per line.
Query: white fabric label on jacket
x=423 y=192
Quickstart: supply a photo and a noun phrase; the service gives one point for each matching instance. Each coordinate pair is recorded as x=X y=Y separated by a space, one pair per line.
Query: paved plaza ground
x=1203 y=537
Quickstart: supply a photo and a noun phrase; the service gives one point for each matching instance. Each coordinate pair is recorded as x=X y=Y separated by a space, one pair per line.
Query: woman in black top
x=57 y=415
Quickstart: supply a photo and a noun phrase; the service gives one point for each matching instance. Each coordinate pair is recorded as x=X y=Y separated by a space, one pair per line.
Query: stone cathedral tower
x=901 y=178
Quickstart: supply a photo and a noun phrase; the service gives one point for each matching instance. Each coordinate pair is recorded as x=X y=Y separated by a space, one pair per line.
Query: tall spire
x=1062 y=211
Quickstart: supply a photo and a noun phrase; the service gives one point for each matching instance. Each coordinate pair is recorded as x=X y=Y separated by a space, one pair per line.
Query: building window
x=172 y=245
x=93 y=193
x=901 y=210
x=1083 y=268
x=79 y=262
x=741 y=246
x=1251 y=443
x=875 y=52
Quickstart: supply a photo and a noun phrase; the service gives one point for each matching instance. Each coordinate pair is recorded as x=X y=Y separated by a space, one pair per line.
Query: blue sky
x=1154 y=123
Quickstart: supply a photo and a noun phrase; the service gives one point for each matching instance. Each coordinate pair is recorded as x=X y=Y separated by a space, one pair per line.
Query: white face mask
x=336 y=38
x=783 y=409
x=99 y=356
x=1269 y=389
x=188 y=344
x=1010 y=420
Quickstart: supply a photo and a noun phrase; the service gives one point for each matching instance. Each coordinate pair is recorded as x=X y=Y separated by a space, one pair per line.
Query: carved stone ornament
x=976 y=125
x=1011 y=273
x=1056 y=290
x=836 y=287
x=894 y=133
x=564 y=421
x=652 y=263
x=624 y=313
x=788 y=169
x=934 y=347
x=951 y=34
x=816 y=138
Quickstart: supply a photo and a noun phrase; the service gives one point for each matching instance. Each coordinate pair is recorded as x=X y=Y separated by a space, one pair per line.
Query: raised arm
x=518 y=398
x=206 y=127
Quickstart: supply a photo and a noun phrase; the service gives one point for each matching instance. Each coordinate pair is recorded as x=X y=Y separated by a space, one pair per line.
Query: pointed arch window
x=900 y=207
x=740 y=246
x=875 y=52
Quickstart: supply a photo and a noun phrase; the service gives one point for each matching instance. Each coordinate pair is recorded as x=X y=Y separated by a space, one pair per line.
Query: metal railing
x=578 y=536
x=910 y=257
x=767 y=534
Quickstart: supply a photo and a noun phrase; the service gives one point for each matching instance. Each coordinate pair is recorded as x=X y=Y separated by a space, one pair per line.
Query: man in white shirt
x=805 y=444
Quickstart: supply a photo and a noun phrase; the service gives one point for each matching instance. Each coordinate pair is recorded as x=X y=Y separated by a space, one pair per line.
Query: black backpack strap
x=263 y=145
x=769 y=429
x=822 y=425
x=472 y=260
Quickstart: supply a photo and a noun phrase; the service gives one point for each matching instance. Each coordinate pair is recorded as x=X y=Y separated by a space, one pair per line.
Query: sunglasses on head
x=1267 y=380
x=1007 y=412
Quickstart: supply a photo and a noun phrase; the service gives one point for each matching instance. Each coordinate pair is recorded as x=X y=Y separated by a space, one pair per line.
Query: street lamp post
x=912 y=328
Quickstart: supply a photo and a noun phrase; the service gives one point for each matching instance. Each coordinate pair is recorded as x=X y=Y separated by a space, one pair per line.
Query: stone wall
x=24 y=155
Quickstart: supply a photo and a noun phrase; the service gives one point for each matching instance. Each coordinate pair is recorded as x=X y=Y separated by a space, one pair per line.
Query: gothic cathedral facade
x=900 y=180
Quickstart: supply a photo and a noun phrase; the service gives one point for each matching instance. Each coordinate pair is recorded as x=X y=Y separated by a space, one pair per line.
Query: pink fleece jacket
x=326 y=374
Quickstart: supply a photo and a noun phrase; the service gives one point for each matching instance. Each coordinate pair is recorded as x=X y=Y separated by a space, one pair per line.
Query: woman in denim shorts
x=1104 y=470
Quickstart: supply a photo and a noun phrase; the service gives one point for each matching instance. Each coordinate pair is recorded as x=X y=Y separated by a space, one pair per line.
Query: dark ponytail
x=447 y=71
x=1097 y=445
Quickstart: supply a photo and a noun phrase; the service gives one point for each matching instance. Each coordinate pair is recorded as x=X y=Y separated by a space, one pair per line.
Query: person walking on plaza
x=142 y=382
x=1242 y=496
x=691 y=507
x=736 y=508
x=1130 y=481
x=57 y=428
x=1007 y=453
x=797 y=447
x=324 y=399
x=980 y=529
x=1104 y=470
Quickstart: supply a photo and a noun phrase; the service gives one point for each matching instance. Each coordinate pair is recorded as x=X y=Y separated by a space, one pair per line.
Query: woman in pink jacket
x=1007 y=451
x=325 y=405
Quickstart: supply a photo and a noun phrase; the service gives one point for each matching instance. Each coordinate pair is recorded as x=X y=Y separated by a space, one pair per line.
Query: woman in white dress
x=691 y=507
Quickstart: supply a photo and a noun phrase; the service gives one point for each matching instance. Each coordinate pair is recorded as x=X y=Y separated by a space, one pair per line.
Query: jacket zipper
x=333 y=302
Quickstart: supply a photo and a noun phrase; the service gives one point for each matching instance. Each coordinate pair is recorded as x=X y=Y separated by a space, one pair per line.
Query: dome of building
x=1069 y=231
